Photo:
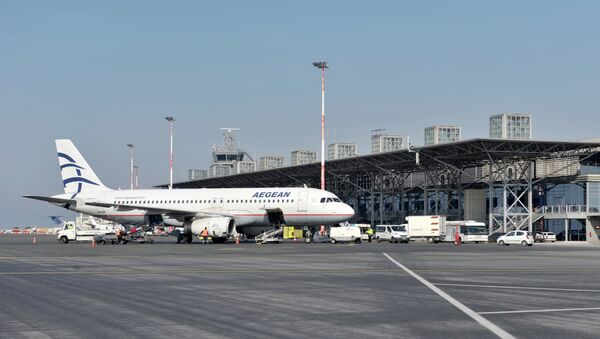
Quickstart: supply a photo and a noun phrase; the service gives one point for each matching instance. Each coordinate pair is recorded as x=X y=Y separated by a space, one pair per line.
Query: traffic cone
x=93 y=242
x=237 y=240
x=34 y=240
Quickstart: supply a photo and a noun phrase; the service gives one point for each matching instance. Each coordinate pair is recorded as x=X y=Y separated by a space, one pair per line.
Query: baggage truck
x=428 y=227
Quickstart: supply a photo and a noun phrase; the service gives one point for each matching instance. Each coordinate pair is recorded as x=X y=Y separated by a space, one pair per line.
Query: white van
x=345 y=233
x=392 y=233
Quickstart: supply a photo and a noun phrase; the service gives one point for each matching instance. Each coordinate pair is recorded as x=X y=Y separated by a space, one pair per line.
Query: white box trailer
x=429 y=227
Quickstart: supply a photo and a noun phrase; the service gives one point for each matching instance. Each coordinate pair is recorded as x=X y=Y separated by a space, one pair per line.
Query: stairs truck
x=428 y=227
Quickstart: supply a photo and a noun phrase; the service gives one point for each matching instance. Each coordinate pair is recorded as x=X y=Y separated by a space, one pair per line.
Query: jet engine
x=219 y=228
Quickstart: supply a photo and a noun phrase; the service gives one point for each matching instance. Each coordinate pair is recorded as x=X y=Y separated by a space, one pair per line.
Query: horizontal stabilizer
x=51 y=199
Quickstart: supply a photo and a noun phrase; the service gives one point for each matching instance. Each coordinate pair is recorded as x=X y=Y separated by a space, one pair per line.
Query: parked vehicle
x=516 y=237
x=364 y=232
x=469 y=231
x=493 y=238
x=392 y=233
x=72 y=233
x=428 y=227
x=345 y=234
x=545 y=236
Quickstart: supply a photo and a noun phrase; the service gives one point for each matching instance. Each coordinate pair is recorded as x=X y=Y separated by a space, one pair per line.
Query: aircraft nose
x=348 y=210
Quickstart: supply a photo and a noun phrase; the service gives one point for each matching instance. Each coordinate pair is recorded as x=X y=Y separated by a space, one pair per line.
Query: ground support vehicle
x=72 y=233
x=271 y=236
x=428 y=227
x=469 y=231
x=366 y=232
x=140 y=236
x=392 y=233
x=345 y=234
x=104 y=239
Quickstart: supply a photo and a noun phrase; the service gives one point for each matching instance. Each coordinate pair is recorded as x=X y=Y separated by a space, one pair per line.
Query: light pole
x=170 y=120
x=136 y=170
x=132 y=148
x=322 y=65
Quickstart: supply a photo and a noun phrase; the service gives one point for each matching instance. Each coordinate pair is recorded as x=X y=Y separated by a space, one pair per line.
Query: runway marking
x=544 y=311
x=108 y=271
x=519 y=287
x=478 y=318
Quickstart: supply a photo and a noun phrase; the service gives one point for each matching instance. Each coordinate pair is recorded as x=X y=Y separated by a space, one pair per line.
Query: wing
x=174 y=212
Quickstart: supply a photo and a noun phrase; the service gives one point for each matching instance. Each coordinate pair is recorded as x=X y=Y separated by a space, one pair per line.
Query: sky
x=106 y=73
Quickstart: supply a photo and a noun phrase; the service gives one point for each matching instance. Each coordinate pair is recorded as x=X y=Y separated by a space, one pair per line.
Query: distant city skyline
x=106 y=74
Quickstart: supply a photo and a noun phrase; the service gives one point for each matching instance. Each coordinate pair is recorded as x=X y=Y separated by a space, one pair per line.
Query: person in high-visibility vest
x=369 y=233
x=204 y=235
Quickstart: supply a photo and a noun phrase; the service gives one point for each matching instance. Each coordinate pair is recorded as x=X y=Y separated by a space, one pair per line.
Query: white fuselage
x=248 y=206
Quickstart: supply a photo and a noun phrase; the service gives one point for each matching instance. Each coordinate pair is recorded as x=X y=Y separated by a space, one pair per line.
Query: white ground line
x=544 y=311
x=478 y=318
x=518 y=287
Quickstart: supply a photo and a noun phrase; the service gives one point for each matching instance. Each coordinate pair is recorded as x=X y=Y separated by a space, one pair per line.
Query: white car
x=545 y=236
x=516 y=237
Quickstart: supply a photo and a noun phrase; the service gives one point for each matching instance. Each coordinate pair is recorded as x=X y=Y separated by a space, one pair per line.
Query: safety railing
x=564 y=209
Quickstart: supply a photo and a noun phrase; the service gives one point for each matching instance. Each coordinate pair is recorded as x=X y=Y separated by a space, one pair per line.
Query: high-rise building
x=303 y=157
x=269 y=162
x=341 y=150
x=197 y=174
x=245 y=166
x=514 y=126
x=382 y=142
x=441 y=134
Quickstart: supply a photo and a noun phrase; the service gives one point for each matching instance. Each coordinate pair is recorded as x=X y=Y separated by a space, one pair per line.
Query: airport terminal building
x=508 y=184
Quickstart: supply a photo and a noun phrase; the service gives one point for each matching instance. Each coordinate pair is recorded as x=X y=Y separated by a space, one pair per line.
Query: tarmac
x=297 y=290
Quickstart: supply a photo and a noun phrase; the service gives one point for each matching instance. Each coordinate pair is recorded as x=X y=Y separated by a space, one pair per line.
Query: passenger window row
x=152 y=202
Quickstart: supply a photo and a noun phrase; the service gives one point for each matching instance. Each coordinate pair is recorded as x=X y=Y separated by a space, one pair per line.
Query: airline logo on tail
x=77 y=175
x=78 y=179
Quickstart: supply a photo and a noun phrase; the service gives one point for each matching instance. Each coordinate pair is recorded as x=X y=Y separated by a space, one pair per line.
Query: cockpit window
x=323 y=200
x=337 y=200
x=329 y=200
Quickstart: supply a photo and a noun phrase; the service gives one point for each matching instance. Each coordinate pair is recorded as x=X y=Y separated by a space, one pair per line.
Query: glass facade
x=511 y=126
x=593 y=197
x=441 y=134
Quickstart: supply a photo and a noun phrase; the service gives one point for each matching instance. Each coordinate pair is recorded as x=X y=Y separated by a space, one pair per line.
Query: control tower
x=229 y=158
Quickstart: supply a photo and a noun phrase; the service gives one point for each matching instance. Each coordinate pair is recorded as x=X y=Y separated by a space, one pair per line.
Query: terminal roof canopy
x=461 y=154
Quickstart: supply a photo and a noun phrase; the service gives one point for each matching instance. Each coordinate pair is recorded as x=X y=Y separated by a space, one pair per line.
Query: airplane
x=224 y=212
x=58 y=220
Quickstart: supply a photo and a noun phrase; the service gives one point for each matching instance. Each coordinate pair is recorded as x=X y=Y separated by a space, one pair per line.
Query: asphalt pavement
x=297 y=290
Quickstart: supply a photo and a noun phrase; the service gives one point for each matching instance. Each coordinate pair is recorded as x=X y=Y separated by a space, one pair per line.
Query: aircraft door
x=303 y=201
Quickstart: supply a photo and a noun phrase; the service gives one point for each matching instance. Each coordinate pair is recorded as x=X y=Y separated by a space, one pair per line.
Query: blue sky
x=105 y=74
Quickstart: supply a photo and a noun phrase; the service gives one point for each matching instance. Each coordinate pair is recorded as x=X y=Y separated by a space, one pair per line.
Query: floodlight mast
x=322 y=65
x=170 y=120
x=137 y=173
x=132 y=148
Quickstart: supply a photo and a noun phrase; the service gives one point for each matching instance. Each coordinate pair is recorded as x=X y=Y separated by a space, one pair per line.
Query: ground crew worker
x=204 y=235
x=370 y=233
